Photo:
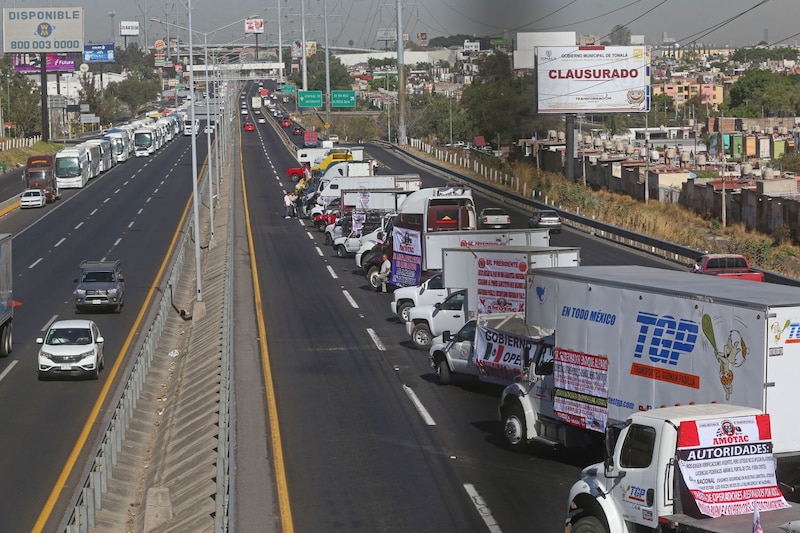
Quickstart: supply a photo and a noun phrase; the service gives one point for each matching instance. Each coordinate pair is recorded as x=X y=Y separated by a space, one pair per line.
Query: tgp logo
x=662 y=339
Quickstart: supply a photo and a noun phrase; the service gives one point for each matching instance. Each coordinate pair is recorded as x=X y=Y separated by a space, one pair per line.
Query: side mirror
x=39 y=340
x=100 y=340
x=438 y=305
x=120 y=279
x=446 y=336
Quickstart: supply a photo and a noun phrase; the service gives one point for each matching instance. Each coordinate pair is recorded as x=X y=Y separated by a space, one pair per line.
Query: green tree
x=431 y=116
x=746 y=94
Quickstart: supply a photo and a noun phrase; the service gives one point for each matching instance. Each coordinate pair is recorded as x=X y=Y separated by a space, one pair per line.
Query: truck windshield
x=67 y=167
x=36 y=175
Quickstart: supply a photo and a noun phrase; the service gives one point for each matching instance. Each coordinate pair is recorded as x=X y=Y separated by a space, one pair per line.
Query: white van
x=72 y=167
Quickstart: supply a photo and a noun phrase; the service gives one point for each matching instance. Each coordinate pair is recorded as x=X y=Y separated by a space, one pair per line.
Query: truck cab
x=429 y=292
x=425 y=323
x=639 y=486
x=40 y=173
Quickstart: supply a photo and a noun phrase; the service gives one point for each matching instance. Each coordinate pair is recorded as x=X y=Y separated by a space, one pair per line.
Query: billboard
x=597 y=79
x=129 y=28
x=42 y=29
x=31 y=63
x=254 y=25
x=297 y=46
x=98 y=53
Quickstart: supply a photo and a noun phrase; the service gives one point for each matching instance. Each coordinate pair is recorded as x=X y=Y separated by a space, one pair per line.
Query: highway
x=130 y=213
x=370 y=441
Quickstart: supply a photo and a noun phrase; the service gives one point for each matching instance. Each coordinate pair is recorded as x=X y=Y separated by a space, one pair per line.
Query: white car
x=32 y=198
x=245 y=111
x=261 y=120
x=209 y=129
x=70 y=348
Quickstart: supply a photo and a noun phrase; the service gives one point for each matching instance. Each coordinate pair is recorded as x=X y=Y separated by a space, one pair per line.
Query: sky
x=359 y=21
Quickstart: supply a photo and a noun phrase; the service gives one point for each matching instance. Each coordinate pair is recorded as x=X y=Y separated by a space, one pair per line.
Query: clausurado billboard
x=593 y=79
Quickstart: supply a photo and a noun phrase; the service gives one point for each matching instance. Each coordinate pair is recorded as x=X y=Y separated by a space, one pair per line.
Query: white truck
x=6 y=296
x=331 y=189
x=631 y=338
x=692 y=468
x=490 y=280
x=430 y=292
x=255 y=102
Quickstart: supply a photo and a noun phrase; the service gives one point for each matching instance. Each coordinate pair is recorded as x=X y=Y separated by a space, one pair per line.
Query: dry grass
x=19 y=156
x=669 y=222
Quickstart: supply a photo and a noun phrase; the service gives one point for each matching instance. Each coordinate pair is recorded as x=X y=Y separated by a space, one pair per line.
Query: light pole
x=303 y=44
x=112 y=14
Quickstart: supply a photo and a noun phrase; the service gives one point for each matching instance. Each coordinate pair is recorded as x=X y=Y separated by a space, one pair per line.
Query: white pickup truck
x=429 y=292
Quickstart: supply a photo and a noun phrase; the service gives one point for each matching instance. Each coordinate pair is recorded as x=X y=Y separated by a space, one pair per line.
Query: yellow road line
x=50 y=504
x=272 y=408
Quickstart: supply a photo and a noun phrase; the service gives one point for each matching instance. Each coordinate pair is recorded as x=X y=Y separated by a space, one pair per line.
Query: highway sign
x=288 y=88
x=343 y=98
x=309 y=99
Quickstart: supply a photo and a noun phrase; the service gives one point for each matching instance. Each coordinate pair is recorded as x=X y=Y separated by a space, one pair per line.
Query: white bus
x=72 y=167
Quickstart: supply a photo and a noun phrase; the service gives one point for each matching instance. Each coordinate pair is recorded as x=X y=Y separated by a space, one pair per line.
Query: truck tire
x=403 y=310
x=588 y=524
x=373 y=278
x=442 y=370
x=328 y=239
x=6 y=341
x=421 y=336
x=320 y=225
x=514 y=428
x=341 y=251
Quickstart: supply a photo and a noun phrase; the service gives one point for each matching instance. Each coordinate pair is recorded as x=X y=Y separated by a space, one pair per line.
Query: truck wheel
x=373 y=278
x=588 y=524
x=403 y=311
x=515 y=429
x=5 y=341
x=421 y=336
x=341 y=251
x=328 y=239
x=442 y=371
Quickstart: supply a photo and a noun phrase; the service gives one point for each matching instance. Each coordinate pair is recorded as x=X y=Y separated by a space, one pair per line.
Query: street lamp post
x=303 y=45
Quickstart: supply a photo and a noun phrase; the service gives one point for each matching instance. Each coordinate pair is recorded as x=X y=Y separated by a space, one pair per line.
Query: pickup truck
x=296 y=173
x=727 y=266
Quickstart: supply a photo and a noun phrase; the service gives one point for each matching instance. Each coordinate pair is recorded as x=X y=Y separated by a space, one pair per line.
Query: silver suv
x=100 y=286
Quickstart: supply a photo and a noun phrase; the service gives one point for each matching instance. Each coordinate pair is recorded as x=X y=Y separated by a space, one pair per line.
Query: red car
x=297 y=130
x=286 y=123
x=249 y=126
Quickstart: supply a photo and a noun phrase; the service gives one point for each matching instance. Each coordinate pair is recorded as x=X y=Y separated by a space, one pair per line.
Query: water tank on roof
x=587 y=140
x=629 y=149
x=747 y=169
x=562 y=136
x=551 y=134
x=643 y=152
x=607 y=145
x=767 y=174
x=598 y=142
x=654 y=155
x=685 y=157
x=783 y=130
x=701 y=159
x=618 y=146
x=672 y=153
x=691 y=123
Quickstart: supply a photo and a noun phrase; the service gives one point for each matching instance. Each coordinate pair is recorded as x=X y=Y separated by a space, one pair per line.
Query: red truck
x=40 y=173
x=310 y=139
x=296 y=173
x=733 y=266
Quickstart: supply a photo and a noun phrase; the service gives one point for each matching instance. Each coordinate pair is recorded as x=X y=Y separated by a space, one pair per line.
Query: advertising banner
x=254 y=25
x=499 y=355
x=727 y=465
x=406 y=257
x=98 y=53
x=129 y=28
x=582 y=79
x=43 y=29
x=31 y=63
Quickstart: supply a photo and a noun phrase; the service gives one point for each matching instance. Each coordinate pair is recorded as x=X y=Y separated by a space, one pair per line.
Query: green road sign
x=309 y=99
x=288 y=88
x=343 y=98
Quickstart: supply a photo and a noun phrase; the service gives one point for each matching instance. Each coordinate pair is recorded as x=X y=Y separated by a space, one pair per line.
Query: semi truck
x=632 y=338
x=40 y=173
x=332 y=189
x=704 y=468
x=489 y=280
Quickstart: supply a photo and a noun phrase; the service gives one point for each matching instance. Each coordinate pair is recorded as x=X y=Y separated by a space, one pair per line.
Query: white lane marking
x=155 y=191
x=59 y=242
x=139 y=212
x=35 y=263
x=148 y=200
x=376 y=340
x=426 y=417
x=331 y=272
x=115 y=192
x=106 y=200
x=350 y=299
x=47 y=326
x=8 y=368
x=79 y=225
x=482 y=508
x=319 y=251
x=130 y=225
x=117 y=241
x=310 y=236
x=93 y=211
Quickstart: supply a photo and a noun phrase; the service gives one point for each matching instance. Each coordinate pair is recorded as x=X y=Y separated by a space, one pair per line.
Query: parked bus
x=72 y=167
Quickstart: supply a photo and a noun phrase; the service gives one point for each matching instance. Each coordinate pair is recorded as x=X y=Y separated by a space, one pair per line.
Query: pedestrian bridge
x=252 y=69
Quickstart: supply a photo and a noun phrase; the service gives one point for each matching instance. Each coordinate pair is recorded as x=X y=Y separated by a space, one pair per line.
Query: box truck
x=631 y=338
x=490 y=280
x=6 y=296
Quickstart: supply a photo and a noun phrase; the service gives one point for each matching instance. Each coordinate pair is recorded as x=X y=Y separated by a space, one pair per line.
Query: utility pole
x=303 y=46
x=327 y=67
x=402 y=140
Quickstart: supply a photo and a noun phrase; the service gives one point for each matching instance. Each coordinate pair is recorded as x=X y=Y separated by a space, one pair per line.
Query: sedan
x=494 y=217
x=32 y=198
x=245 y=111
x=71 y=348
x=545 y=218
x=261 y=120
x=286 y=123
x=297 y=130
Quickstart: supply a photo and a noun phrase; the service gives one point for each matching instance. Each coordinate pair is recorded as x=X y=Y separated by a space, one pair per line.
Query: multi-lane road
x=370 y=442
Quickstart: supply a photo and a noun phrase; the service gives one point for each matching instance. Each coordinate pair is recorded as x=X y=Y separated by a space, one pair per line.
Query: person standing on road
x=385 y=272
x=287 y=205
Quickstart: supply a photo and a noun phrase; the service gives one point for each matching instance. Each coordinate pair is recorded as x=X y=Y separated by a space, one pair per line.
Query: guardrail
x=523 y=199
